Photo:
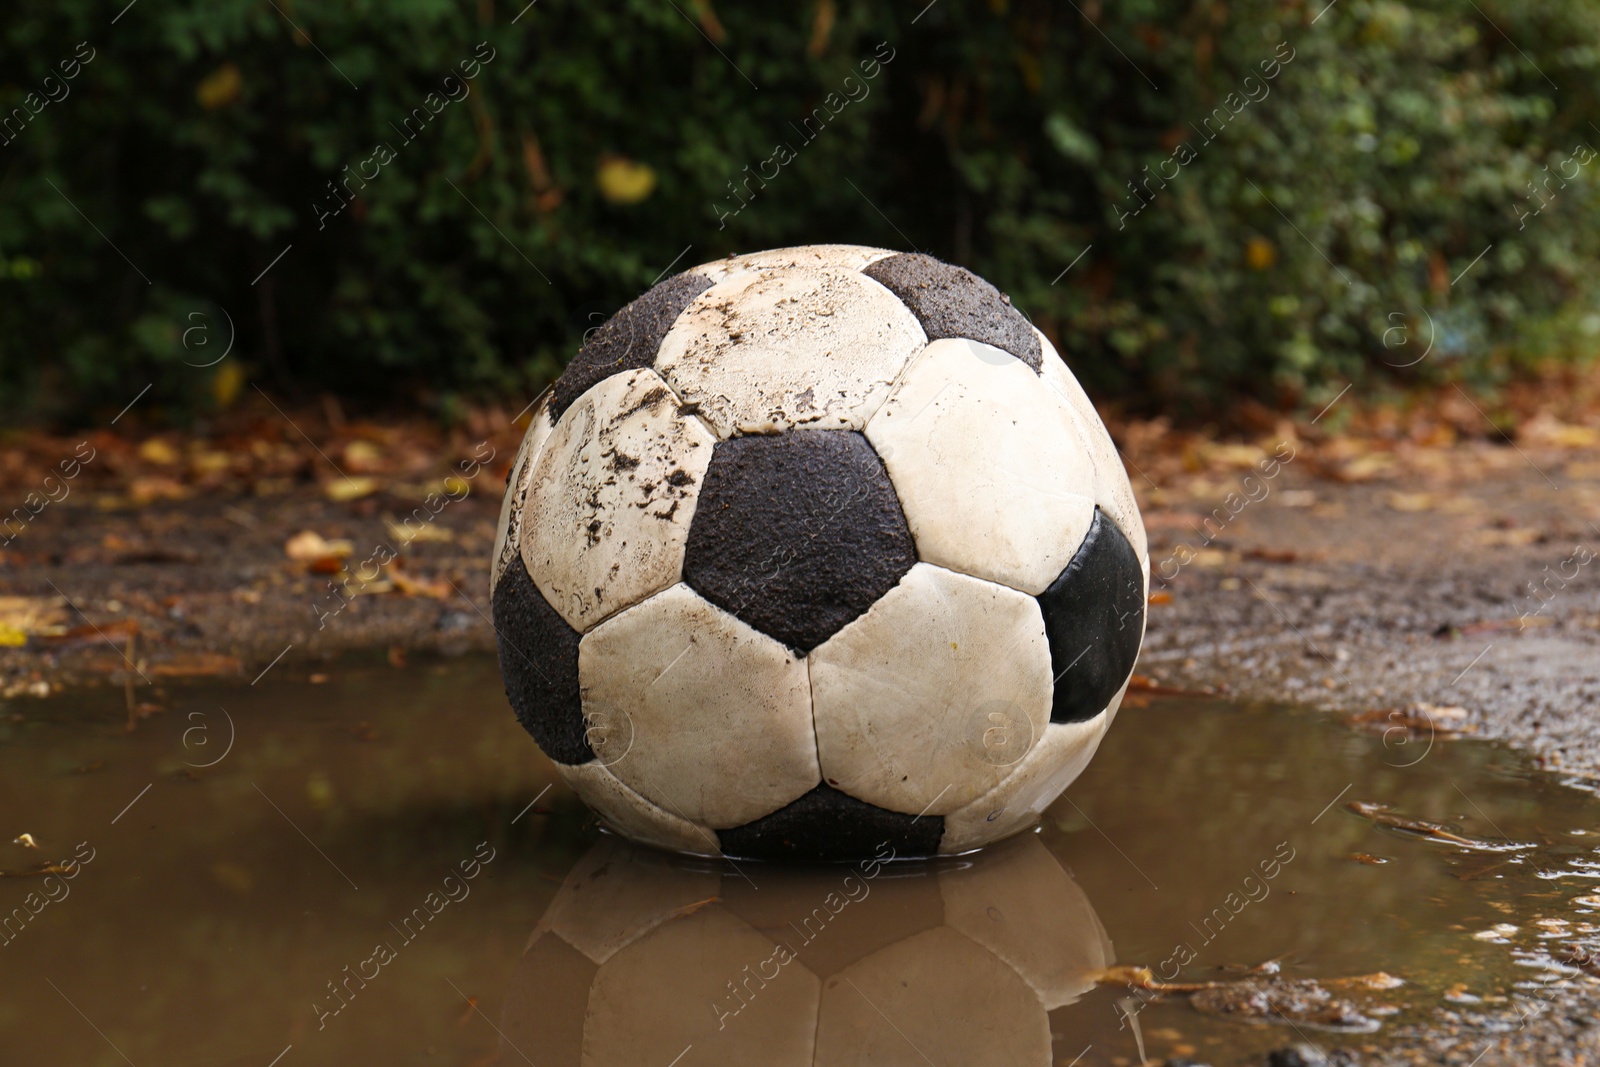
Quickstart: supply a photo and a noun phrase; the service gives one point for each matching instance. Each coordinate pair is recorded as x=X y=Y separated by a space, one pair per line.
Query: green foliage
x=1320 y=227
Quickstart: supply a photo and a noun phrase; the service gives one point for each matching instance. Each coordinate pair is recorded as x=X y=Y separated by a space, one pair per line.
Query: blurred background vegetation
x=1330 y=231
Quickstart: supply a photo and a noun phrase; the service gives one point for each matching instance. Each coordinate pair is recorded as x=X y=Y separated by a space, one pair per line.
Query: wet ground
x=376 y=867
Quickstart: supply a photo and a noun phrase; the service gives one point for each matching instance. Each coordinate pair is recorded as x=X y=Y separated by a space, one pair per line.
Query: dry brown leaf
x=196 y=665
x=1513 y=538
x=148 y=490
x=1411 y=502
x=437 y=589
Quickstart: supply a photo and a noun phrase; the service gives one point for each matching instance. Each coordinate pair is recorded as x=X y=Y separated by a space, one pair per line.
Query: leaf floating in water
x=1382 y=816
x=41 y=869
x=1296 y=1001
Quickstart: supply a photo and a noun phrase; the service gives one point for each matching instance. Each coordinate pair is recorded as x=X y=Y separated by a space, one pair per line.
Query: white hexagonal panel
x=1018 y=902
x=1061 y=754
x=765 y=351
x=718 y=715
x=699 y=982
x=990 y=470
x=508 y=530
x=928 y=700
x=632 y=815
x=937 y=997
x=1113 y=492
x=850 y=257
x=611 y=496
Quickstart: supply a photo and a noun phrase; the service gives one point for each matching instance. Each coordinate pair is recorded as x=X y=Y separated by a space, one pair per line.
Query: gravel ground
x=1343 y=596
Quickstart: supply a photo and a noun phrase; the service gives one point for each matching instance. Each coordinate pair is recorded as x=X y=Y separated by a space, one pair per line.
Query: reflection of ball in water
x=817 y=548
x=640 y=955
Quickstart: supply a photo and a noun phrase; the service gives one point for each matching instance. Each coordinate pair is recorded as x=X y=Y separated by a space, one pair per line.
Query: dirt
x=1448 y=579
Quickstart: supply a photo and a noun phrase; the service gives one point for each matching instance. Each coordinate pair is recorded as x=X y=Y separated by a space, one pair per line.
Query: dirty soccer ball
x=813 y=549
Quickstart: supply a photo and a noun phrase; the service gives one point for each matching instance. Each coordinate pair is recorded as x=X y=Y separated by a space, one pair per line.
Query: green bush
x=1315 y=235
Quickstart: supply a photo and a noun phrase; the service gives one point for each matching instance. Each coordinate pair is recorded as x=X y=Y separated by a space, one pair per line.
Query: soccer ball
x=813 y=549
x=640 y=956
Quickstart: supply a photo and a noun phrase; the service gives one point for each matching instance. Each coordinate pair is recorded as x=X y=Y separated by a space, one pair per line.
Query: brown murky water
x=363 y=874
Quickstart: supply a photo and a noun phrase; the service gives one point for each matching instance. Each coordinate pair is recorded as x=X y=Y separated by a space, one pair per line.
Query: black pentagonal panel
x=629 y=339
x=831 y=826
x=1094 y=620
x=797 y=534
x=547 y=1003
x=539 y=662
x=951 y=301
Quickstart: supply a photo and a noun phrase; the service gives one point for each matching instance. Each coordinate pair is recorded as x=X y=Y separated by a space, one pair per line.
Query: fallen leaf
x=148 y=490
x=158 y=450
x=438 y=589
x=363 y=456
x=1546 y=430
x=1522 y=622
x=1411 y=501
x=108 y=631
x=404 y=535
x=1366 y=468
x=1514 y=538
x=207 y=461
x=196 y=665
x=308 y=546
x=1272 y=555
x=344 y=489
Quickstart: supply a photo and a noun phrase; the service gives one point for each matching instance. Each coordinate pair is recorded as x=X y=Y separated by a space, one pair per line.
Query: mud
x=1324 y=594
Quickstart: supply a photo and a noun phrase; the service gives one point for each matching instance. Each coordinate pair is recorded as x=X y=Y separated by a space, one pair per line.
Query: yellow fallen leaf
x=342 y=489
x=24 y=615
x=158 y=450
x=403 y=534
x=210 y=462
x=362 y=456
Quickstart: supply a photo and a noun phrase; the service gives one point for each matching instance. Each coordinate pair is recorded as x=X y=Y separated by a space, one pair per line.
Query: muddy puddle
x=377 y=868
